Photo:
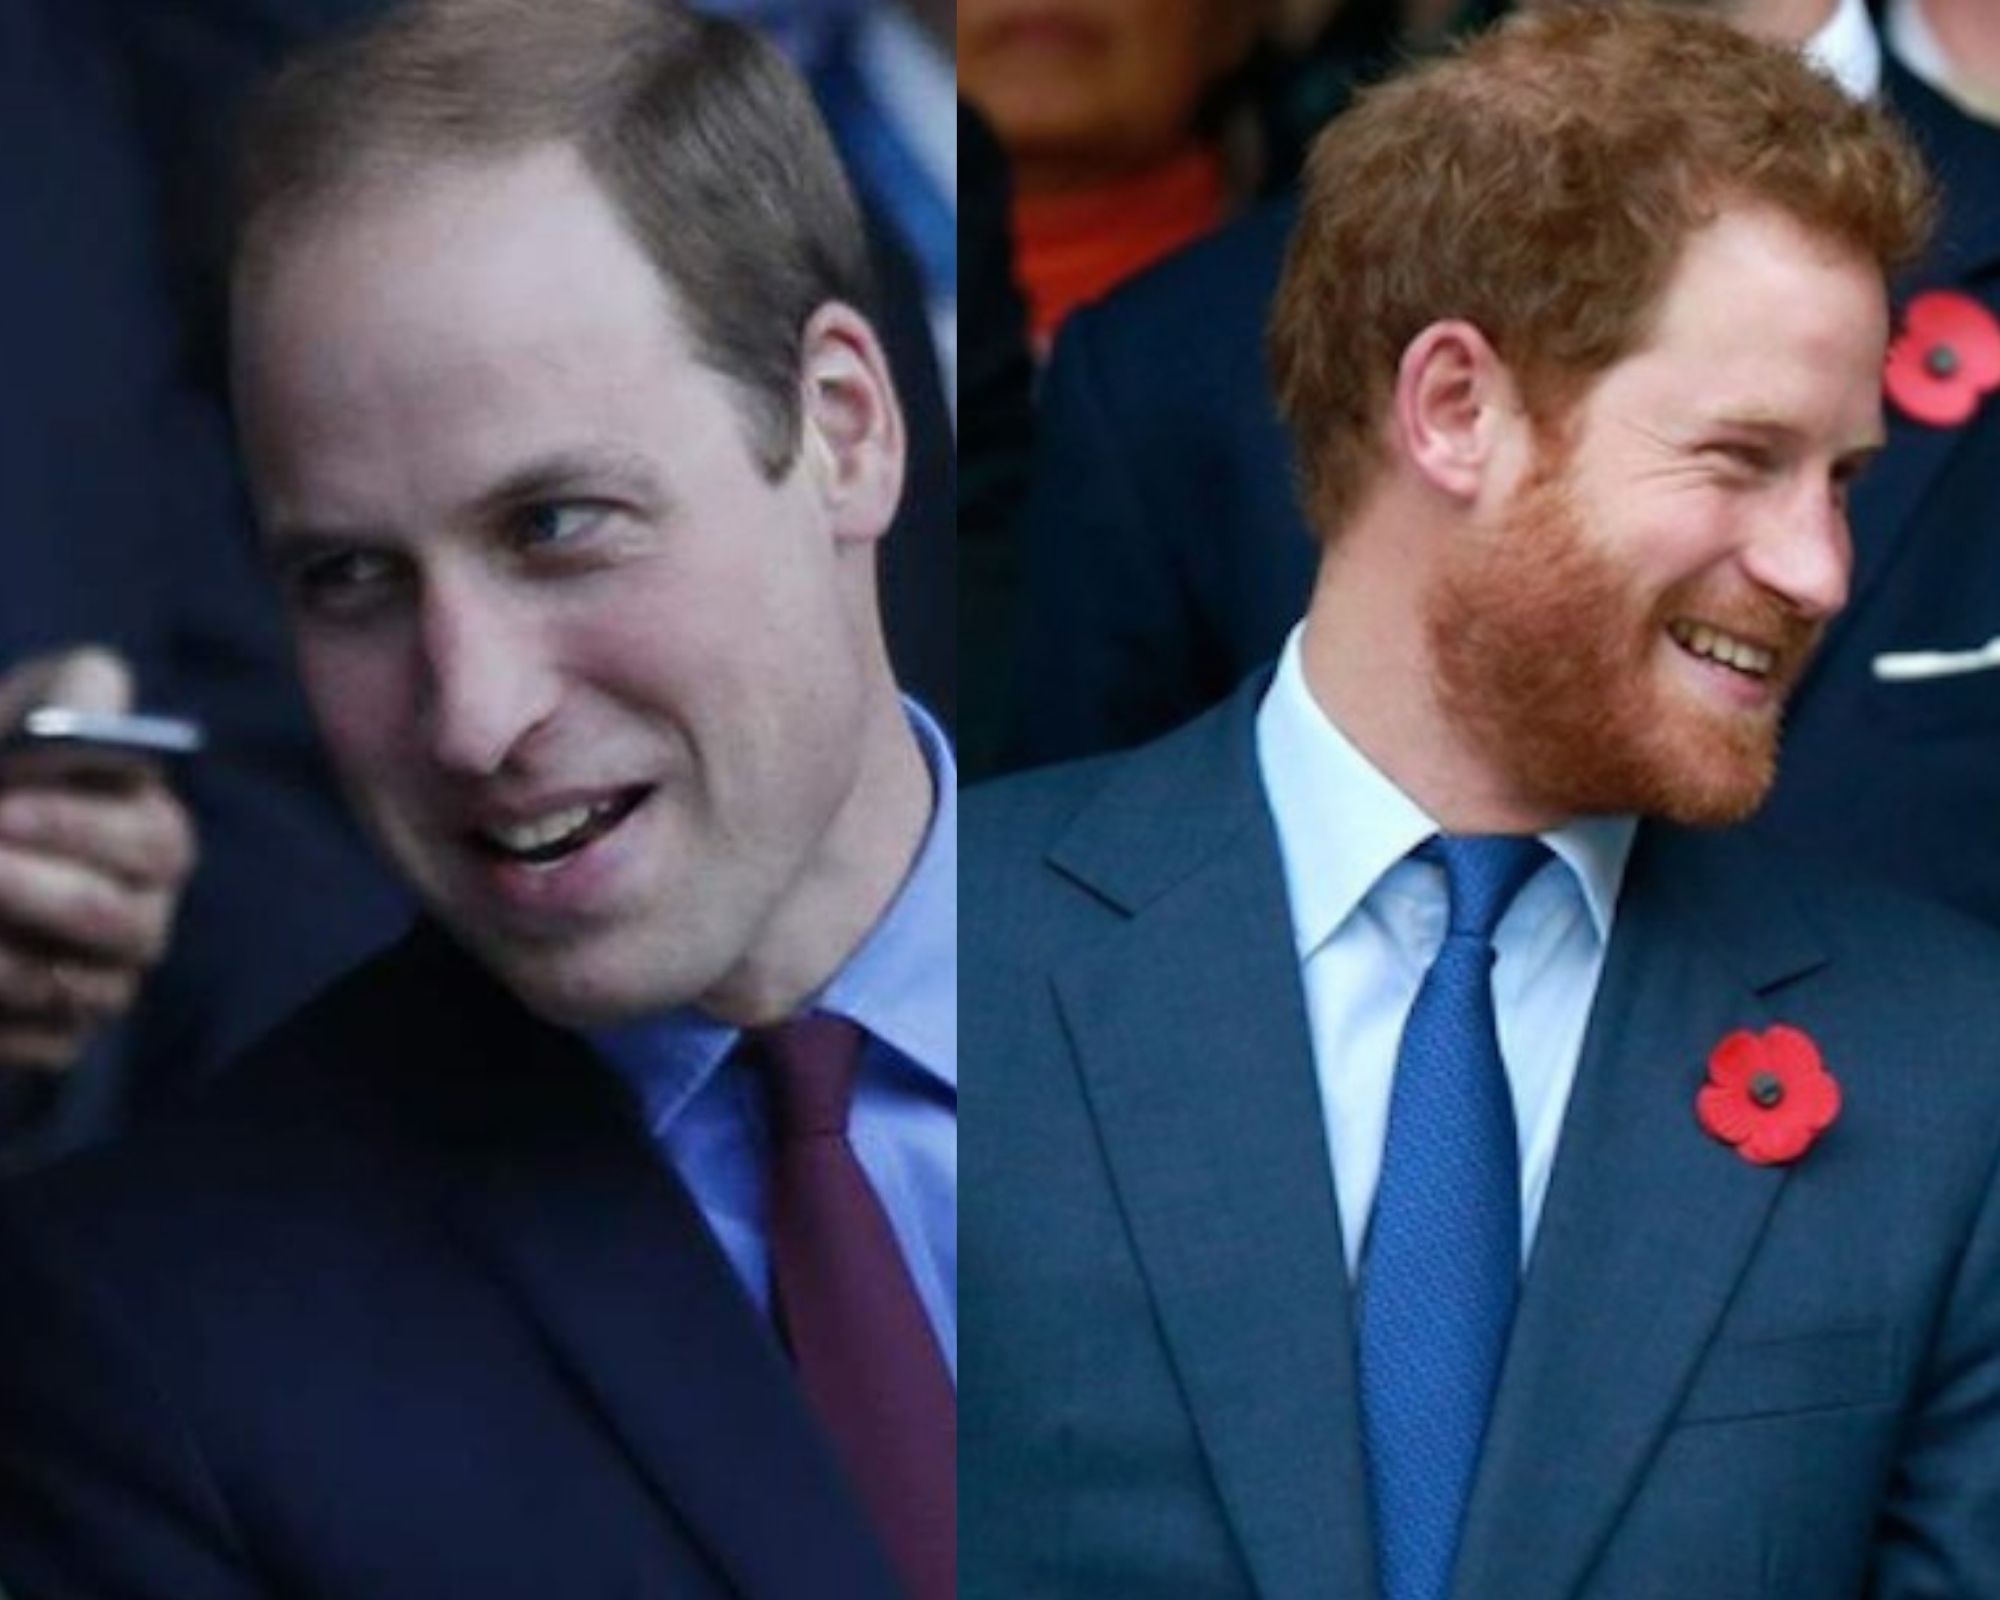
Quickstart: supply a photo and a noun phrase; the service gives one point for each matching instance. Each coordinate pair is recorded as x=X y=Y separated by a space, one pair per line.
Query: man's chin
x=1718 y=807
x=1698 y=775
x=1716 y=788
x=575 y=984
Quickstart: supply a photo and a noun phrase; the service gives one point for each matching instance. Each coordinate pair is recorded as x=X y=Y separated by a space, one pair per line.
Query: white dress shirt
x=1367 y=922
x=1846 y=49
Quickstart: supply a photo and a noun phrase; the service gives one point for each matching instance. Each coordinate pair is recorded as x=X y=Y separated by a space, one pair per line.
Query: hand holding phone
x=95 y=850
x=65 y=745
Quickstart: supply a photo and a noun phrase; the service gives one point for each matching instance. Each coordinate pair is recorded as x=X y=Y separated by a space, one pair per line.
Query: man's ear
x=852 y=425
x=1456 y=405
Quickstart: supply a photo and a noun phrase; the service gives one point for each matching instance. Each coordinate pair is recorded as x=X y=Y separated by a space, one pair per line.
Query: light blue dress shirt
x=707 y=1116
x=1367 y=922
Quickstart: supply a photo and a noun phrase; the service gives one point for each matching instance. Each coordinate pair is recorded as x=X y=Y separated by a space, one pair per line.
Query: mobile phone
x=62 y=745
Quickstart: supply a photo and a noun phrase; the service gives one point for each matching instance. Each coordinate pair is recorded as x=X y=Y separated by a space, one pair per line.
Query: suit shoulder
x=1216 y=291
x=1238 y=264
x=292 y=1100
x=1894 y=946
x=1022 y=814
x=1891 y=933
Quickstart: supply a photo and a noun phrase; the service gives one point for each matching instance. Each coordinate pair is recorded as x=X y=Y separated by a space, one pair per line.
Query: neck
x=1366 y=658
x=1087 y=178
x=856 y=870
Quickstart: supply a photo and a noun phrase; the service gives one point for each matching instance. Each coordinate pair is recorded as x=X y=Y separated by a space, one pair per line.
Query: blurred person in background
x=883 y=74
x=996 y=426
x=126 y=528
x=1321 y=52
x=1110 y=112
x=1954 y=46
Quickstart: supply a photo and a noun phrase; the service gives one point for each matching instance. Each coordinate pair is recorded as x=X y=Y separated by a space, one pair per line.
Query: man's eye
x=558 y=522
x=1746 y=458
x=344 y=582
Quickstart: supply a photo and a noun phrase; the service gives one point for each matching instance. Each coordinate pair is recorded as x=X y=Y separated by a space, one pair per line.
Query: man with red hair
x=1413 y=1152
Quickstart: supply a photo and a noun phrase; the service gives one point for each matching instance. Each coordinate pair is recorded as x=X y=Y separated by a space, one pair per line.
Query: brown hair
x=1539 y=183
x=702 y=136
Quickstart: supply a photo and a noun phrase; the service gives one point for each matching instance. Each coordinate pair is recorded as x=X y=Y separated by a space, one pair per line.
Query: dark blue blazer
x=1726 y=1381
x=410 y=1309
x=1166 y=557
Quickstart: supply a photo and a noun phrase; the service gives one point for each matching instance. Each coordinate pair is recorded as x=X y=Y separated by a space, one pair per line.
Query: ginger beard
x=1560 y=672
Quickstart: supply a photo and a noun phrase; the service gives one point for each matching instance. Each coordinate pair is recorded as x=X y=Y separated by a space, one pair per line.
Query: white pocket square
x=1913 y=666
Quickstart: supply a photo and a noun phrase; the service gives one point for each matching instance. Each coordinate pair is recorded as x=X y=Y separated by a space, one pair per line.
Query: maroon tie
x=865 y=1352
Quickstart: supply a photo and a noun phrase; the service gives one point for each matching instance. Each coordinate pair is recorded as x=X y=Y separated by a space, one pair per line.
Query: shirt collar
x=901 y=983
x=1846 y=49
x=1342 y=823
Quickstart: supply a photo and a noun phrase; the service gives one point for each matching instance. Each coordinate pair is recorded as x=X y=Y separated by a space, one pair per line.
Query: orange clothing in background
x=1074 y=247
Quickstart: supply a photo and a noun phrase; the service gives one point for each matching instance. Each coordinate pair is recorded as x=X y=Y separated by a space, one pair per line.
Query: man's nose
x=488 y=680
x=1805 y=555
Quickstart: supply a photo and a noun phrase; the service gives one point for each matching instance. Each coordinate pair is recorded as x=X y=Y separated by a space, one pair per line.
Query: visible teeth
x=1700 y=639
x=545 y=831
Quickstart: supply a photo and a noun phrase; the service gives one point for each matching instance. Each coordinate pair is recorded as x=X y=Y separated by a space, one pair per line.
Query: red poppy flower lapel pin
x=1768 y=1094
x=1945 y=360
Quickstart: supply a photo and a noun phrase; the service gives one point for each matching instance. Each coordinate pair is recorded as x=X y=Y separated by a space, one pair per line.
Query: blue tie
x=1444 y=1245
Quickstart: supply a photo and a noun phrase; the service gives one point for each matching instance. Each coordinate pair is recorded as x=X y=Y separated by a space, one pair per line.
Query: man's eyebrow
x=288 y=546
x=572 y=473
x=1774 y=428
x=563 y=474
x=1859 y=457
x=1757 y=422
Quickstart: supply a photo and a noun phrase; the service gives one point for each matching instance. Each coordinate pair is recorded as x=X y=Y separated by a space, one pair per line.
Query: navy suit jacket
x=1166 y=556
x=1725 y=1381
x=411 y=1308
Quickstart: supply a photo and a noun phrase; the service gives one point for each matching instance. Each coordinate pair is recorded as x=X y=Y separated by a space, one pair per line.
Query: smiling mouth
x=1758 y=663
x=557 y=835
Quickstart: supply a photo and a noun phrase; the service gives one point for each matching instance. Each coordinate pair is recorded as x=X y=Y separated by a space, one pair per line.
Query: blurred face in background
x=1083 y=92
x=1787 y=21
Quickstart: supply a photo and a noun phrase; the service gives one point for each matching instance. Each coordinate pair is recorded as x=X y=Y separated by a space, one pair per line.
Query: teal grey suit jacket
x=1726 y=1381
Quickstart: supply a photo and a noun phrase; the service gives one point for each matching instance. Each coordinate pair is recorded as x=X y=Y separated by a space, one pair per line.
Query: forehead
x=428 y=334
x=1762 y=320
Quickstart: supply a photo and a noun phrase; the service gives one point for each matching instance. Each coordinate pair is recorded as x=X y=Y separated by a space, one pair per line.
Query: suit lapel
x=554 y=1186
x=1190 y=1036
x=1648 y=1225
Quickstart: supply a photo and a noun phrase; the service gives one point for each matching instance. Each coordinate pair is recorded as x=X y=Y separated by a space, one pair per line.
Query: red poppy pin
x=1946 y=359
x=1768 y=1094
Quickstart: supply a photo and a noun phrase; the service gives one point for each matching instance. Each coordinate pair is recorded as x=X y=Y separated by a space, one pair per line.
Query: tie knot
x=809 y=1064
x=1483 y=873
